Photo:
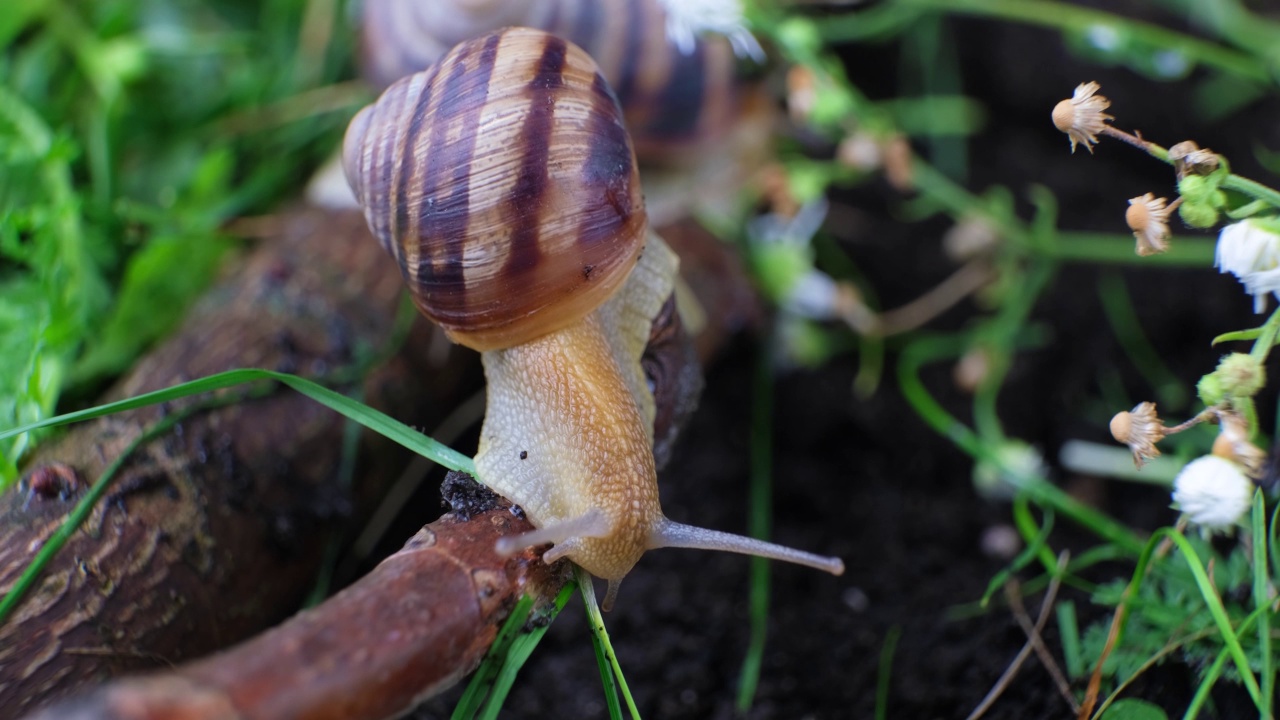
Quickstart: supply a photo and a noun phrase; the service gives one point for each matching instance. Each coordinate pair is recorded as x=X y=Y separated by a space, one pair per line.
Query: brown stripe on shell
x=610 y=167
x=405 y=169
x=586 y=26
x=632 y=53
x=445 y=206
x=384 y=154
x=527 y=197
x=677 y=109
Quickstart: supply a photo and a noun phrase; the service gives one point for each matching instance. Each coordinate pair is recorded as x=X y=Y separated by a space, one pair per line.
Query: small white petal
x=1251 y=252
x=1213 y=492
x=686 y=19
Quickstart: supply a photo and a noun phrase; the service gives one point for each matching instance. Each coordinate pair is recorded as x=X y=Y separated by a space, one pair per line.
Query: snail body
x=504 y=184
x=672 y=97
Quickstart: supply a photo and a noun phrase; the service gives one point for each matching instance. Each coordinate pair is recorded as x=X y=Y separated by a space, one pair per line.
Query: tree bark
x=419 y=622
x=215 y=530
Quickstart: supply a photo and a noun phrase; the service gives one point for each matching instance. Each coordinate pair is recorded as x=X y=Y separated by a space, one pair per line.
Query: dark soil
x=867 y=480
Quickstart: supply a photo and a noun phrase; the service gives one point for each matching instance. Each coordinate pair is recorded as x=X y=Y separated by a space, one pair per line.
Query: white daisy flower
x=1213 y=492
x=686 y=19
x=1250 y=250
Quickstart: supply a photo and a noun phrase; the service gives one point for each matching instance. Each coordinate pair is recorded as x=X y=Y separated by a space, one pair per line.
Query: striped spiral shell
x=504 y=184
x=669 y=98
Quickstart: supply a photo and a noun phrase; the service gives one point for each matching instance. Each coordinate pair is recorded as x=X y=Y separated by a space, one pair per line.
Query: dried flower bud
x=1140 y=429
x=1081 y=117
x=1148 y=218
x=1190 y=159
x=860 y=151
x=1213 y=492
x=802 y=92
x=971 y=237
x=971 y=369
x=897 y=163
x=1233 y=444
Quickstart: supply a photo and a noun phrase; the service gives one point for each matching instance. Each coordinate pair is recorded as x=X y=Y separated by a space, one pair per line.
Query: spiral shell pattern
x=504 y=184
x=669 y=98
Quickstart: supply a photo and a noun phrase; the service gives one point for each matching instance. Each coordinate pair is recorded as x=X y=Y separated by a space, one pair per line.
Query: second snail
x=503 y=182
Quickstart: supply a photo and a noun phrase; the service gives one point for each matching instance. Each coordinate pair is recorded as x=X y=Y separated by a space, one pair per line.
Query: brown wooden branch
x=416 y=624
x=238 y=574
x=215 y=531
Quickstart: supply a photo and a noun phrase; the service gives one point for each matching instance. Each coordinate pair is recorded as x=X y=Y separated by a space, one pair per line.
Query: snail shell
x=503 y=182
x=670 y=98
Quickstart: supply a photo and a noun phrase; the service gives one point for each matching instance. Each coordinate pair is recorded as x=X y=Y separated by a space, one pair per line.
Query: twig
x=959 y=285
x=1010 y=672
x=1095 y=679
x=354 y=656
x=1014 y=596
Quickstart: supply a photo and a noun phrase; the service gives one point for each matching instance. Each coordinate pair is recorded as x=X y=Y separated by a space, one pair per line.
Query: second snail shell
x=503 y=182
x=670 y=98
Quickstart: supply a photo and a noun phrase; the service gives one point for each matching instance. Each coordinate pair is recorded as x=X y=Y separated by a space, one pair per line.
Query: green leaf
x=157 y=288
x=1238 y=336
x=1134 y=709
x=375 y=420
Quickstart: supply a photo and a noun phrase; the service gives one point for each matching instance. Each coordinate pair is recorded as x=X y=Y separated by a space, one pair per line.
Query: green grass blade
x=1219 y=613
x=886 y=667
x=492 y=681
x=483 y=678
x=606 y=679
x=1069 y=631
x=373 y=419
x=1035 y=546
x=600 y=638
x=1214 y=672
x=1262 y=599
x=522 y=646
x=758 y=525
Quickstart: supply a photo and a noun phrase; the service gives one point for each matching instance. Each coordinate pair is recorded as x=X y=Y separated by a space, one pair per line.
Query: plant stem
x=1267 y=340
x=1064 y=17
x=1116 y=249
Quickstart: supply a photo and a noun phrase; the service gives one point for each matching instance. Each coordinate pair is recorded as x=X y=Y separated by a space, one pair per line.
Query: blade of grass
x=1208 y=593
x=758 y=525
x=375 y=420
x=521 y=648
x=601 y=641
x=886 y=666
x=1271 y=543
x=1262 y=599
x=1069 y=632
x=606 y=679
x=1035 y=548
x=1214 y=672
x=510 y=649
x=1027 y=527
x=483 y=678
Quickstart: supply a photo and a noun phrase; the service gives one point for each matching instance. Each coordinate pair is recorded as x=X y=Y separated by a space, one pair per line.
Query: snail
x=503 y=182
x=674 y=97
